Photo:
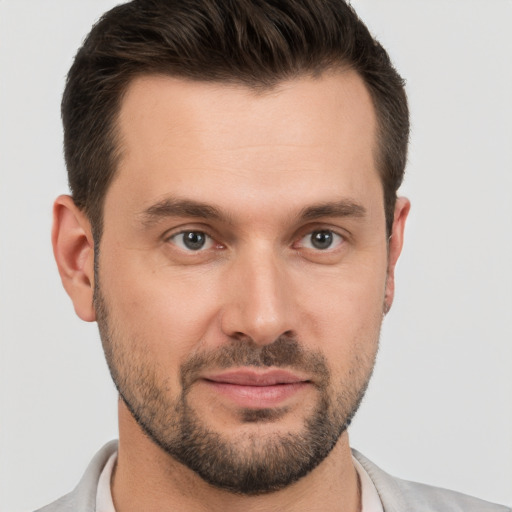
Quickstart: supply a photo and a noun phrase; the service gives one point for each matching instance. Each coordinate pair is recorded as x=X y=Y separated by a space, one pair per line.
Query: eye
x=192 y=240
x=321 y=240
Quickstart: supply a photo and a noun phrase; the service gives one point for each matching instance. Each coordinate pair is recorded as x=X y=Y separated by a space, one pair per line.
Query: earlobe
x=73 y=248
x=396 y=241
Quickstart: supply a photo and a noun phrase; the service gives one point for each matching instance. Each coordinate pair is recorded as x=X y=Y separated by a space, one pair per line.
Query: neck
x=146 y=478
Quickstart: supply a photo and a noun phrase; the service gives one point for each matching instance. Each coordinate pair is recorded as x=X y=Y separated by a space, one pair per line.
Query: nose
x=258 y=299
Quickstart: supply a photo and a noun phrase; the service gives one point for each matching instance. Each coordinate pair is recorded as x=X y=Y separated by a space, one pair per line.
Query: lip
x=250 y=377
x=252 y=389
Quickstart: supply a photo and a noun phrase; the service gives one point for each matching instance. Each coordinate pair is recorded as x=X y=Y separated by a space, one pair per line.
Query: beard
x=250 y=464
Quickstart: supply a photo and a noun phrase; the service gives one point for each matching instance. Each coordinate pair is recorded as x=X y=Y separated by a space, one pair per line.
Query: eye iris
x=194 y=240
x=321 y=239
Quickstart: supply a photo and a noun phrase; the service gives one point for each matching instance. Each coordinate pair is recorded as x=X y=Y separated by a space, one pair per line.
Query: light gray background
x=439 y=408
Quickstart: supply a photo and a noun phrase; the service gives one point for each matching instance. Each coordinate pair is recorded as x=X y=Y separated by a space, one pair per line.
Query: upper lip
x=250 y=377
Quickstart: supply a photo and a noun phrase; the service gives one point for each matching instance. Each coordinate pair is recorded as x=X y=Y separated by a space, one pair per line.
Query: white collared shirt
x=370 y=501
x=104 y=501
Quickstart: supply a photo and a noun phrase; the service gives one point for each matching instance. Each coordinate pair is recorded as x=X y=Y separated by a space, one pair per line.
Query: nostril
x=240 y=336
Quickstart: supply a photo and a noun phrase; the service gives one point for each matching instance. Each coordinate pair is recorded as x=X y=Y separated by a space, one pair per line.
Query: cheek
x=167 y=311
x=344 y=316
x=346 y=299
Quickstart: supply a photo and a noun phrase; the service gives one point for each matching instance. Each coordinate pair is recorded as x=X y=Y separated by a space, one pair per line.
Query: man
x=233 y=229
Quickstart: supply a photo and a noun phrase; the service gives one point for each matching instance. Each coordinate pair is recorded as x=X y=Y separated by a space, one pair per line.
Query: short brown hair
x=251 y=42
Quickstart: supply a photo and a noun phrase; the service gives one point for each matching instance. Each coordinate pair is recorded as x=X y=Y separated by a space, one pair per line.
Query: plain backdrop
x=439 y=409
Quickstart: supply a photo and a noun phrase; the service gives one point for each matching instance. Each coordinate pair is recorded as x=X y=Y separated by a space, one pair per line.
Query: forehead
x=303 y=137
x=300 y=111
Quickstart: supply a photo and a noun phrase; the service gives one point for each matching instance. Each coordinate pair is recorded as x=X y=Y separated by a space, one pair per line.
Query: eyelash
x=195 y=232
x=336 y=238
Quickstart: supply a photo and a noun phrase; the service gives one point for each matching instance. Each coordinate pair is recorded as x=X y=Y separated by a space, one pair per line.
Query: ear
x=73 y=248
x=396 y=241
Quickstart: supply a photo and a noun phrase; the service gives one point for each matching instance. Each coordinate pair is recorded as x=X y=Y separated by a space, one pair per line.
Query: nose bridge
x=258 y=300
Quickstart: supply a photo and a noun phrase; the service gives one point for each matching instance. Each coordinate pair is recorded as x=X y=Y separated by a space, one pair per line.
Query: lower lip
x=257 y=397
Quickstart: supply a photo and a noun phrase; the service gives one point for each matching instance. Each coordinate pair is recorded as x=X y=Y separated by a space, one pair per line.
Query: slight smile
x=252 y=389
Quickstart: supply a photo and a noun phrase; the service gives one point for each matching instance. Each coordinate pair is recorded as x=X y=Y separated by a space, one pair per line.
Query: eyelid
x=323 y=226
x=212 y=239
x=336 y=244
x=185 y=228
x=308 y=230
x=209 y=242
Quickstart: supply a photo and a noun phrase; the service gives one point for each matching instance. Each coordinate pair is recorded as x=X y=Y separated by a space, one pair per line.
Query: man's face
x=242 y=271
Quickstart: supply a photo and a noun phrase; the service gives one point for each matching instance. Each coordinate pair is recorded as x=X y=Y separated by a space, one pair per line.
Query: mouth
x=249 y=388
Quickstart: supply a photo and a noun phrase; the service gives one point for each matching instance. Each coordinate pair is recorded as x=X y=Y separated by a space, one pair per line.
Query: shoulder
x=399 y=495
x=444 y=499
x=83 y=497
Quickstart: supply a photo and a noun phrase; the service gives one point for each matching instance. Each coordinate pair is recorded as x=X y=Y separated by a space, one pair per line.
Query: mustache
x=283 y=352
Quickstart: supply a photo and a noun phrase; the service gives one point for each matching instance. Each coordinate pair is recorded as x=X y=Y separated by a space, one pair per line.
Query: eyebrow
x=174 y=207
x=342 y=208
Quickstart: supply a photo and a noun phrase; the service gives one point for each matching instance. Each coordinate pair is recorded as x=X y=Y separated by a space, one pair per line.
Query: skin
x=261 y=159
